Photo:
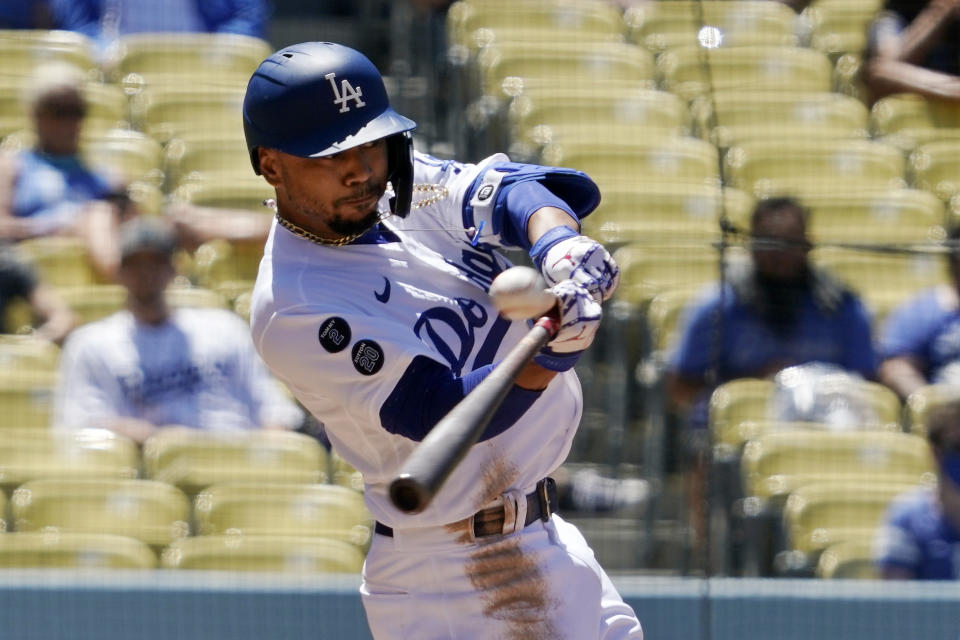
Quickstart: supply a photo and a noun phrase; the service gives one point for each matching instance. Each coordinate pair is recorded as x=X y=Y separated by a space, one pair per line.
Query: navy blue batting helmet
x=317 y=99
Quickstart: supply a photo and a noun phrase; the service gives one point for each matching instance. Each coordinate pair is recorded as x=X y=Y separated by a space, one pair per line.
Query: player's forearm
x=890 y=76
x=548 y=218
x=926 y=30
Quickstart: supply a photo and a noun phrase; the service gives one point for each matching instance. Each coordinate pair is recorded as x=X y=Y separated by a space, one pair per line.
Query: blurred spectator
x=106 y=20
x=151 y=367
x=25 y=14
x=920 y=539
x=774 y=311
x=48 y=189
x=920 y=340
x=914 y=47
x=52 y=316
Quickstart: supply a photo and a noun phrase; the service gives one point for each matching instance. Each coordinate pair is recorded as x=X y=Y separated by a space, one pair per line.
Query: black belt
x=492 y=521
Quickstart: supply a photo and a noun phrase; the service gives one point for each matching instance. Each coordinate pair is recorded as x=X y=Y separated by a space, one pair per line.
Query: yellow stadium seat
x=592 y=17
x=305 y=510
x=908 y=120
x=574 y=61
x=840 y=26
x=54 y=549
x=60 y=260
x=772 y=167
x=919 y=404
x=3 y=512
x=21 y=51
x=182 y=110
x=233 y=192
x=935 y=167
x=125 y=155
x=666 y=212
x=850 y=560
x=28 y=353
x=611 y=164
x=218 y=262
x=203 y=155
x=659 y=26
x=26 y=397
x=152 y=53
x=884 y=216
x=749 y=68
x=27 y=454
x=775 y=463
x=665 y=313
x=152 y=512
x=646 y=270
x=193 y=460
x=733 y=116
x=818 y=515
x=883 y=280
x=344 y=474
x=263 y=553
x=97 y=301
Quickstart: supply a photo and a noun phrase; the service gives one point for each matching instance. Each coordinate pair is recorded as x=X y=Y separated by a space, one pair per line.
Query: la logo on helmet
x=345 y=92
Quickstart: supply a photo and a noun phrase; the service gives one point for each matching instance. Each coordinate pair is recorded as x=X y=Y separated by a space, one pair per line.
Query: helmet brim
x=385 y=125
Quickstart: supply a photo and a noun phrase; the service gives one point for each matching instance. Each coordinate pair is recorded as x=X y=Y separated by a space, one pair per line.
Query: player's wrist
x=557 y=361
x=538 y=252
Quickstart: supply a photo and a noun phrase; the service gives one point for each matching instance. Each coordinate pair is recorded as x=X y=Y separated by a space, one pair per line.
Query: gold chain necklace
x=438 y=192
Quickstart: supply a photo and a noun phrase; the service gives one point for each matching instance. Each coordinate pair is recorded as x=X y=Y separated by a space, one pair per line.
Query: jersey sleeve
x=894 y=546
x=690 y=355
x=347 y=362
x=87 y=395
x=908 y=328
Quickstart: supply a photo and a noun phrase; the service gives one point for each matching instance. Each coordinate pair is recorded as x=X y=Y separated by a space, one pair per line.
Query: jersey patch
x=334 y=334
x=367 y=357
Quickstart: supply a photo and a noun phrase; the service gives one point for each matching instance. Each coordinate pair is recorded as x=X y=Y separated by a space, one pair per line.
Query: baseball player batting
x=372 y=304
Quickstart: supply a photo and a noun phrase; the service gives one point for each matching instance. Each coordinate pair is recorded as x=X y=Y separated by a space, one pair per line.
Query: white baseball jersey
x=340 y=325
x=198 y=369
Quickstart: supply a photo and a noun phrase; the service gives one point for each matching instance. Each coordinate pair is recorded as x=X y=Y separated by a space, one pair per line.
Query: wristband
x=543 y=244
x=549 y=359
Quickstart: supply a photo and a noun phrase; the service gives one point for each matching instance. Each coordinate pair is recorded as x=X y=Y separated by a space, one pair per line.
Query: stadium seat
x=646 y=270
x=771 y=167
x=22 y=50
x=895 y=216
x=935 y=167
x=670 y=160
x=919 y=404
x=775 y=463
x=749 y=68
x=28 y=454
x=660 y=26
x=305 y=510
x=848 y=560
x=26 y=395
x=908 y=120
x=157 y=53
x=665 y=212
x=232 y=192
x=219 y=264
x=883 y=280
x=344 y=474
x=263 y=553
x=665 y=313
x=107 y=108
x=97 y=301
x=125 y=155
x=592 y=17
x=840 y=26
x=821 y=514
x=60 y=260
x=193 y=460
x=152 y=512
x=167 y=112
x=572 y=107
x=733 y=116
x=205 y=155
x=55 y=549
x=574 y=62
x=28 y=353
x=3 y=512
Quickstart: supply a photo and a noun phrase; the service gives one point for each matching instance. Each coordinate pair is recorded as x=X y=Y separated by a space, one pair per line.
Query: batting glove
x=562 y=254
x=580 y=316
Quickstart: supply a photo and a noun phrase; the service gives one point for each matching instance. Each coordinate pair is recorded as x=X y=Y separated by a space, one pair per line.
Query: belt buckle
x=543 y=496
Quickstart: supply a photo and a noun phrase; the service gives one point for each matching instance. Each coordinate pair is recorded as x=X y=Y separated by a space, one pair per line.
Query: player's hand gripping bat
x=519 y=293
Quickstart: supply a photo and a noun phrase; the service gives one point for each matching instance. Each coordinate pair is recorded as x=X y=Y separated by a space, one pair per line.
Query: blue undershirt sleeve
x=428 y=390
x=521 y=201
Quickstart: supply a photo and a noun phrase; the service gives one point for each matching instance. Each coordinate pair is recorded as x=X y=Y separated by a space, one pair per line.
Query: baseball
x=520 y=293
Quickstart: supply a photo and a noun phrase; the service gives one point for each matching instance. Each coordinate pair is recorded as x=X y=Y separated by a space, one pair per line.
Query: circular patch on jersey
x=367 y=357
x=485 y=192
x=334 y=334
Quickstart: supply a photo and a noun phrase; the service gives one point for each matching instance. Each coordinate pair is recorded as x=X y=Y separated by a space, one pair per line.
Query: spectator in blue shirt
x=920 y=538
x=105 y=20
x=773 y=312
x=920 y=340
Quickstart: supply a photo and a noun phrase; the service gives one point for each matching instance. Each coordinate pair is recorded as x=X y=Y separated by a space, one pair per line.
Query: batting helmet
x=316 y=99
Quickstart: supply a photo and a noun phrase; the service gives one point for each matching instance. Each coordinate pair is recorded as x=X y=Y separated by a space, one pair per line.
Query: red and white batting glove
x=562 y=254
x=580 y=316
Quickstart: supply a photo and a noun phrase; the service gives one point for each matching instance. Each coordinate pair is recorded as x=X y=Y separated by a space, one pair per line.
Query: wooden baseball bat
x=432 y=461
